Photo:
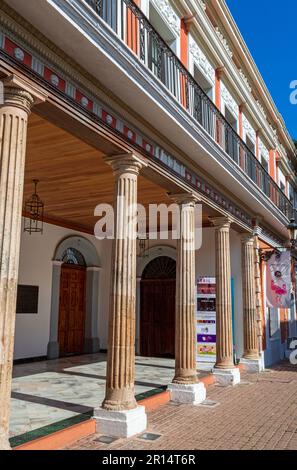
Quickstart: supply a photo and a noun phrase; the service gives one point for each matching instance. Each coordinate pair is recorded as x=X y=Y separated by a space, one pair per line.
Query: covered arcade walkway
x=50 y=395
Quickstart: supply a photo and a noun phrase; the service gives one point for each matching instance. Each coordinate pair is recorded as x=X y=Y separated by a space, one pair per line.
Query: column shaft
x=13 y=134
x=251 y=350
x=224 y=344
x=121 y=342
x=185 y=330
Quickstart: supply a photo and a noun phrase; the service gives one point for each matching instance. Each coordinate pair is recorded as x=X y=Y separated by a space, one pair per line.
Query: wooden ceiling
x=74 y=179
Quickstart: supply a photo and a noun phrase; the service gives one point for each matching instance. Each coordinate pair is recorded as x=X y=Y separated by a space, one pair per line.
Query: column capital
x=19 y=93
x=125 y=163
x=220 y=71
x=56 y=262
x=247 y=238
x=184 y=198
x=221 y=222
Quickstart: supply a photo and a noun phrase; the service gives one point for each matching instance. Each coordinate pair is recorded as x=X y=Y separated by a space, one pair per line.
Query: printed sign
x=279 y=280
x=206 y=319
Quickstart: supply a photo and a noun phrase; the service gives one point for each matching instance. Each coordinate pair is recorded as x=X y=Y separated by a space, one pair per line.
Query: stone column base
x=53 y=350
x=4 y=443
x=227 y=376
x=192 y=394
x=121 y=423
x=92 y=345
x=252 y=365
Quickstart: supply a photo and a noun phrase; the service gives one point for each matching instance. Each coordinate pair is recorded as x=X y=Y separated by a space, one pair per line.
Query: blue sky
x=270 y=31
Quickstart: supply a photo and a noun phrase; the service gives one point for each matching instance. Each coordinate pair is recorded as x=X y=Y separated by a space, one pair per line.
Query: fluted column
x=251 y=350
x=224 y=344
x=121 y=340
x=185 y=313
x=185 y=387
x=13 y=134
x=258 y=293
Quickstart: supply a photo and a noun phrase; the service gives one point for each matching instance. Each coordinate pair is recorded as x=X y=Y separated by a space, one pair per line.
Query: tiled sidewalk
x=58 y=391
x=261 y=413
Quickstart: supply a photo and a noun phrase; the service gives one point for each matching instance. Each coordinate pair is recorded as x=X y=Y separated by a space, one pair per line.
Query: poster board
x=206 y=319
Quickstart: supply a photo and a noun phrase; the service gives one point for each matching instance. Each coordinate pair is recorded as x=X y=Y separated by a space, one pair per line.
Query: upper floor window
x=73 y=256
x=231 y=119
x=282 y=180
x=167 y=26
x=264 y=162
x=203 y=82
x=250 y=144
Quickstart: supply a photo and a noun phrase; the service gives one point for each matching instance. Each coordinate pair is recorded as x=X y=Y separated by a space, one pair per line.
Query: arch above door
x=76 y=250
x=151 y=254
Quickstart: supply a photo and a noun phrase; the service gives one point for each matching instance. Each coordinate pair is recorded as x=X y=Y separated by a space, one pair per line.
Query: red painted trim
x=131 y=135
x=240 y=124
x=80 y=98
x=49 y=74
x=109 y=119
x=218 y=88
x=272 y=164
x=184 y=43
x=132 y=31
x=10 y=47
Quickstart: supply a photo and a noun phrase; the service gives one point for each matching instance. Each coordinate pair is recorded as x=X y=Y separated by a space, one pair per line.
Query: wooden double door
x=72 y=309
x=157 y=317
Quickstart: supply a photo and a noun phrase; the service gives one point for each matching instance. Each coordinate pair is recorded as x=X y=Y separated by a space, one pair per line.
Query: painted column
x=251 y=358
x=137 y=341
x=185 y=387
x=120 y=414
x=92 y=343
x=53 y=344
x=13 y=124
x=225 y=372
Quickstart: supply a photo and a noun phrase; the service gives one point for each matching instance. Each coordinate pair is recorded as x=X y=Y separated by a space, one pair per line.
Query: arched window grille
x=73 y=256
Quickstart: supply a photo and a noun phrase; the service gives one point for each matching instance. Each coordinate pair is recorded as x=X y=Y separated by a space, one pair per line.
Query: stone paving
x=47 y=392
x=260 y=413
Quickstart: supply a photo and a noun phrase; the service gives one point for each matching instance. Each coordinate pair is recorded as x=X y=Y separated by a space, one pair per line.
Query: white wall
x=37 y=252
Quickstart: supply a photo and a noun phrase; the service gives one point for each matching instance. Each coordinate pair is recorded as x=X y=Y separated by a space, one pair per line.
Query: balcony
x=153 y=52
x=114 y=42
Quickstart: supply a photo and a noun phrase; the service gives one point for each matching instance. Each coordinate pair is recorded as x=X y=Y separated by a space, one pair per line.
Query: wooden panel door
x=72 y=310
x=157 y=318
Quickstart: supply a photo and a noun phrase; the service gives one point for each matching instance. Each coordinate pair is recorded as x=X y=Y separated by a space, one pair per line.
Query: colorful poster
x=279 y=280
x=206 y=319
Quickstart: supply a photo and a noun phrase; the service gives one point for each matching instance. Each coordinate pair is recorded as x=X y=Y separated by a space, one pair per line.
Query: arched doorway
x=75 y=299
x=157 y=308
x=72 y=303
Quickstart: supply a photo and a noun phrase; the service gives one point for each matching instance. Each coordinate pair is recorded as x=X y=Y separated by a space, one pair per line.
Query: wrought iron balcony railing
x=133 y=27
